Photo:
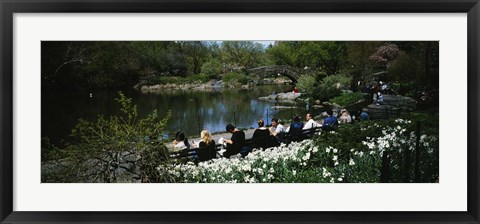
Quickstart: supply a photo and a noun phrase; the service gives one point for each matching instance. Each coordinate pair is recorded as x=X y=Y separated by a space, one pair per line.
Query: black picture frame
x=9 y=7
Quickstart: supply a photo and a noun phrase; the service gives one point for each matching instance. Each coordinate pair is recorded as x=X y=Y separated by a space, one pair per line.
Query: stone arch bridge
x=273 y=71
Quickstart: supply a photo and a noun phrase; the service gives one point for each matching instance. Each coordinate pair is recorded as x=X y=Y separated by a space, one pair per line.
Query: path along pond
x=192 y=110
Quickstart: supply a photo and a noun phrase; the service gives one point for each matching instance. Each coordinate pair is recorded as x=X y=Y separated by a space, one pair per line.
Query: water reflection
x=192 y=111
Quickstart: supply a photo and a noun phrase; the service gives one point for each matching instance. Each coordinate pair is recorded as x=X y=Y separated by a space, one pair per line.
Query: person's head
x=230 y=128
x=179 y=136
x=329 y=112
x=343 y=112
x=260 y=123
x=296 y=118
x=206 y=137
x=274 y=122
x=308 y=116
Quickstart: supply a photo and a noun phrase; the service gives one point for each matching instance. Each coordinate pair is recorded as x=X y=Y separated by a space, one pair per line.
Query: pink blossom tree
x=385 y=55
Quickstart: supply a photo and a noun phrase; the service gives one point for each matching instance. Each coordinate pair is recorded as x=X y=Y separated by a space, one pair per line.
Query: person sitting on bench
x=180 y=142
x=206 y=147
x=236 y=143
x=295 y=129
x=309 y=127
x=261 y=137
x=330 y=123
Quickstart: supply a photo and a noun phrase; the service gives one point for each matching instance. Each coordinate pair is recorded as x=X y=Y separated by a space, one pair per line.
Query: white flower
x=372 y=152
x=340 y=179
x=306 y=157
x=335 y=158
x=326 y=173
x=294 y=172
x=351 y=162
x=327 y=150
x=335 y=150
x=336 y=163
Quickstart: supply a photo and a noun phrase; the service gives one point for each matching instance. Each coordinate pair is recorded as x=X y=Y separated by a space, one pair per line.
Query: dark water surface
x=192 y=110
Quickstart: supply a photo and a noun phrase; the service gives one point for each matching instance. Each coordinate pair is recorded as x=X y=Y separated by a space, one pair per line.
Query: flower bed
x=352 y=154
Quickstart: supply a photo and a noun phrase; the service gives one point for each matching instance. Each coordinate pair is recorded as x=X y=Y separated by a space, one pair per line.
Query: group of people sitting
x=263 y=137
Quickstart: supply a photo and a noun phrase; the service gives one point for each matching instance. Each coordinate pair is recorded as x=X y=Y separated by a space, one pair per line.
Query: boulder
x=288 y=96
x=282 y=97
x=392 y=106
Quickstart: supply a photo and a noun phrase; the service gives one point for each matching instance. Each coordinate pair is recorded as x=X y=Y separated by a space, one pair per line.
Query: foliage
x=235 y=77
x=385 y=55
x=114 y=149
x=212 y=68
x=406 y=67
x=307 y=83
x=72 y=65
x=241 y=54
x=165 y=58
x=359 y=64
x=327 y=55
x=346 y=99
x=353 y=153
x=331 y=86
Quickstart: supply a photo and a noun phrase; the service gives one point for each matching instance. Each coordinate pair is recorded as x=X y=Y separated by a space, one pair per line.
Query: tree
x=385 y=55
x=241 y=54
x=328 y=55
x=358 y=63
x=163 y=57
x=196 y=53
x=419 y=62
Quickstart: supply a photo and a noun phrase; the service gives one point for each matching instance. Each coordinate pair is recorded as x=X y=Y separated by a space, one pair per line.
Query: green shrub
x=198 y=78
x=212 y=68
x=166 y=80
x=331 y=86
x=347 y=99
x=115 y=149
x=233 y=77
x=307 y=83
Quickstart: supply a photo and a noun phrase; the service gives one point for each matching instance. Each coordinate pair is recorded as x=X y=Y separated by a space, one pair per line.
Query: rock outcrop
x=391 y=106
x=282 y=97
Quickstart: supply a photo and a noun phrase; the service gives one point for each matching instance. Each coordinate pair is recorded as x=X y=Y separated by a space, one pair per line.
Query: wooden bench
x=286 y=138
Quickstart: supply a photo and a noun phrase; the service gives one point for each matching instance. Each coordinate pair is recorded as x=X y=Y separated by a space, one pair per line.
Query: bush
x=212 y=68
x=406 y=67
x=233 y=77
x=114 y=149
x=331 y=86
x=198 y=78
x=347 y=99
x=307 y=83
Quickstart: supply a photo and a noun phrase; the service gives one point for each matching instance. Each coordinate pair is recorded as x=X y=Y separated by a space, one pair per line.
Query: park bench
x=286 y=138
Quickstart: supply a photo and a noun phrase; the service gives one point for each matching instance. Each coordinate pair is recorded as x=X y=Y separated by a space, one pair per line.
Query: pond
x=192 y=111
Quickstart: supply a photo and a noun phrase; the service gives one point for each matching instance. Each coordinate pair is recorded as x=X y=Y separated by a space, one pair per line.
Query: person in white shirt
x=310 y=122
x=180 y=142
x=276 y=128
x=345 y=117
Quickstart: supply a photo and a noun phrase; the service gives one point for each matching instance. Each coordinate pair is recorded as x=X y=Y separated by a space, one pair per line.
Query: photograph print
x=240 y=111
